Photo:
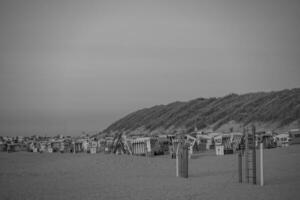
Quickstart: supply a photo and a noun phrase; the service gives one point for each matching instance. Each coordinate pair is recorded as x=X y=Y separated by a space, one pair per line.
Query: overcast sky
x=68 y=66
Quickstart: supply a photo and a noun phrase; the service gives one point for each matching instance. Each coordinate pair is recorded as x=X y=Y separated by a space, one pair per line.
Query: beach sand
x=56 y=176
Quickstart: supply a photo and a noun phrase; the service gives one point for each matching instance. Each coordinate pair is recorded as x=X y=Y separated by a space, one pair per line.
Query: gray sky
x=68 y=66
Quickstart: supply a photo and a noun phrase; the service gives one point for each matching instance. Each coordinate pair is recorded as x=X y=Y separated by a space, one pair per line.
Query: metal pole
x=261 y=164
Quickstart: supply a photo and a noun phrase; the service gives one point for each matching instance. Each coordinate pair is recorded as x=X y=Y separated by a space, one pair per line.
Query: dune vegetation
x=277 y=107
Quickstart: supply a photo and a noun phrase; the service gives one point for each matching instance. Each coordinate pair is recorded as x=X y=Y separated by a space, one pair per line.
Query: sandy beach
x=105 y=176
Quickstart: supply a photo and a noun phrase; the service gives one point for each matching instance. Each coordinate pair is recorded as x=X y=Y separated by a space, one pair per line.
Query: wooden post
x=261 y=145
x=240 y=166
x=74 y=151
x=185 y=160
x=145 y=147
x=142 y=148
x=135 y=147
x=139 y=147
x=178 y=159
x=132 y=148
x=253 y=156
x=246 y=155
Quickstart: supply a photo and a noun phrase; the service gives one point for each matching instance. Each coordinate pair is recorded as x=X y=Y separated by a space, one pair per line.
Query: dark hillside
x=281 y=108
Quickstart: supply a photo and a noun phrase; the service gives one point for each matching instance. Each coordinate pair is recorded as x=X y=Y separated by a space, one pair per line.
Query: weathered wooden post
x=136 y=148
x=182 y=157
x=145 y=147
x=185 y=162
x=178 y=159
x=261 y=145
x=253 y=156
x=74 y=151
x=174 y=149
x=133 y=148
x=246 y=153
x=141 y=148
x=240 y=166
